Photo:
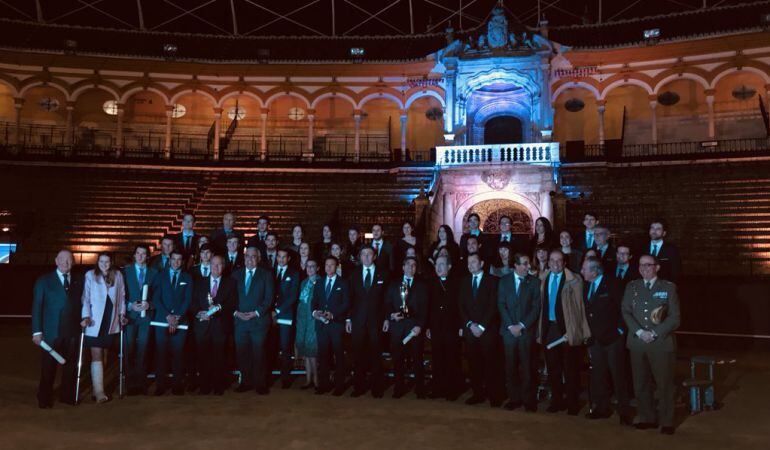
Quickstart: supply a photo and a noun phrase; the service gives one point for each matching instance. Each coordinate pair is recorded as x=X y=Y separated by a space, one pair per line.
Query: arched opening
x=490 y=212
x=425 y=125
x=736 y=106
x=43 y=117
x=502 y=130
x=287 y=126
x=628 y=115
x=192 y=120
x=93 y=127
x=380 y=127
x=576 y=117
x=241 y=138
x=334 y=127
x=144 y=122
x=682 y=112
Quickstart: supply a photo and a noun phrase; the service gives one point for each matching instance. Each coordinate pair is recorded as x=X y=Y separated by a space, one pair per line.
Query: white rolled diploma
x=408 y=337
x=165 y=325
x=59 y=359
x=143 y=314
x=556 y=343
x=213 y=310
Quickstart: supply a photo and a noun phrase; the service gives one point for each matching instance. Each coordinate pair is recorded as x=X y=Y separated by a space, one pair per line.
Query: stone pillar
x=18 y=103
x=449 y=209
x=710 y=102
x=263 y=135
x=403 y=135
x=357 y=136
x=600 y=108
x=310 y=129
x=167 y=144
x=654 y=118
x=119 y=130
x=546 y=205
x=217 y=131
x=450 y=113
x=68 y=134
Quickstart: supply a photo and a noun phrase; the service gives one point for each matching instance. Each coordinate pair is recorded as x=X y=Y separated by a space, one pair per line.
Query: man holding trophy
x=214 y=300
x=407 y=307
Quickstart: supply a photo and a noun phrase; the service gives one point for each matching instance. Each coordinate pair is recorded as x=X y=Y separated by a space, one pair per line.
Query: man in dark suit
x=187 y=240
x=407 y=306
x=472 y=245
x=219 y=237
x=203 y=268
x=518 y=243
x=383 y=250
x=664 y=251
x=252 y=321
x=603 y=248
x=213 y=303
x=481 y=319
x=137 y=330
x=518 y=299
x=286 y=297
x=330 y=304
x=443 y=325
x=171 y=297
x=603 y=296
x=258 y=240
x=587 y=240
x=55 y=319
x=474 y=221
x=233 y=257
x=624 y=269
x=651 y=311
x=366 y=322
x=270 y=255
x=162 y=261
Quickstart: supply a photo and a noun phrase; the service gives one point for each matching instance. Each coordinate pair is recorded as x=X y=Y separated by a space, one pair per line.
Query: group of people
x=501 y=300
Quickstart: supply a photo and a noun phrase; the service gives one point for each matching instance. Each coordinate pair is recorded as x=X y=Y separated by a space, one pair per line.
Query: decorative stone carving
x=497 y=29
x=496 y=179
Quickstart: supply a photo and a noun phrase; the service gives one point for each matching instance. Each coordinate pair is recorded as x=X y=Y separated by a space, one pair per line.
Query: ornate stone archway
x=490 y=212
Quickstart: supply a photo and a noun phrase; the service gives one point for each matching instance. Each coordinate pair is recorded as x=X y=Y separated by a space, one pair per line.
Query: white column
x=403 y=135
x=712 y=124
x=449 y=209
x=68 y=135
x=167 y=144
x=119 y=131
x=547 y=205
x=357 y=136
x=653 y=107
x=18 y=103
x=600 y=109
x=310 y=126
x=217 y=131
x=263 y=136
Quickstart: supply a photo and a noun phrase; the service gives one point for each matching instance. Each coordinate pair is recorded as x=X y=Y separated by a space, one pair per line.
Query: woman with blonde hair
x=103 y=314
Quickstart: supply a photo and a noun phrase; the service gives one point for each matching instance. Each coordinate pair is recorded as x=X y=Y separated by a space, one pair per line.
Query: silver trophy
x=404 y=291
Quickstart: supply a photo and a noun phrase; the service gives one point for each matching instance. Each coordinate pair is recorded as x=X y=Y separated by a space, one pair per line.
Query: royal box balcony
x=541 y=153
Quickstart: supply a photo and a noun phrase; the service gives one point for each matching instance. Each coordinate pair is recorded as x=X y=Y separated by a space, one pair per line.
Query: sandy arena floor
x=298 y=419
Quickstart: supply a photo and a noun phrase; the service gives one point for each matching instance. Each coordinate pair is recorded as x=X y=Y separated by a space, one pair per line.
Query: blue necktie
x=475 y=285
x=249 y=275
x=174 y=279
x=591 y=290
x=328 y=287
x=141 y=276
x=655 y=250
x=590 y=240
x=552 y=297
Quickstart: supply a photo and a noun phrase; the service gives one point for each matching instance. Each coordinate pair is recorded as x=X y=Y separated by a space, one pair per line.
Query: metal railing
x=528 y=153
x=669 y=150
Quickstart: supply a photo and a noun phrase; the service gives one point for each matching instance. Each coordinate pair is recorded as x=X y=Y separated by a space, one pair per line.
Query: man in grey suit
x=651 y=312
x=518 y=299
x=252 y=321
x=55 y=320
x=137 y=330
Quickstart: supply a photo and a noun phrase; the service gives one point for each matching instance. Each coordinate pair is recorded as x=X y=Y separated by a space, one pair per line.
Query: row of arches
x=675 y=108
x=72 y=92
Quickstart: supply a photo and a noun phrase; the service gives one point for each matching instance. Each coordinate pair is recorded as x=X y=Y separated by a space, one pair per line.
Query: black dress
x=104 y=339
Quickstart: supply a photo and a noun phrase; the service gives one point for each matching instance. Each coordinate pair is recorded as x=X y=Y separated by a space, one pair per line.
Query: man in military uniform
x=651 y=312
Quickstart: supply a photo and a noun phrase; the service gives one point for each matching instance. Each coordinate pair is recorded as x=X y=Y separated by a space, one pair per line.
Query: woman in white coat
x=104 y=311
